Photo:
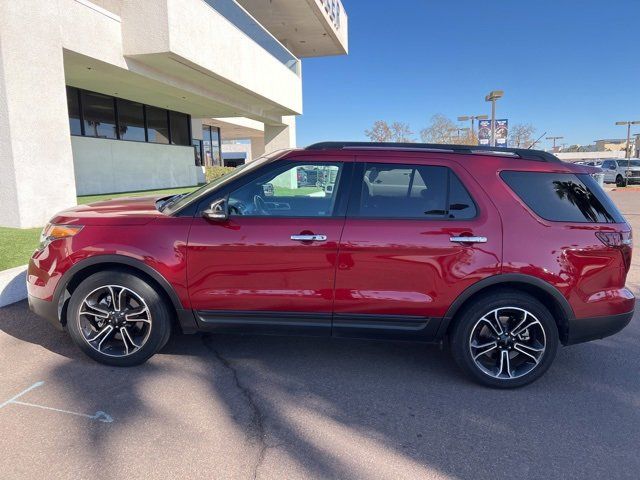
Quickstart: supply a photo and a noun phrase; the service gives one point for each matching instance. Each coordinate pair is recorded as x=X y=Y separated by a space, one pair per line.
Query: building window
x=212 y=151
x=197 y=151
x=179 y=124
x=157 y=125
x=131 y=120
x=96 y=115
x=73 y=104
x=98 y=112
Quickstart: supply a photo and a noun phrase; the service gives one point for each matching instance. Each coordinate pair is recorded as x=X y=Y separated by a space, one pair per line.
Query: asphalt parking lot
x=286 y=408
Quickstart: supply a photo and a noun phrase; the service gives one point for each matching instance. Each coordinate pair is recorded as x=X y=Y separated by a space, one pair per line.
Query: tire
x=515 y=360
x=133 y=329
x=620 y=181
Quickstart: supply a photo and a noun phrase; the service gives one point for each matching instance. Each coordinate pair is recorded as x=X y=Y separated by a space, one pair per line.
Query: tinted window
x=411 y=191
x=158 y=125
x=131 y=120
x=73 y=104
x=99 y=115
x=300 y=190
x=563 y=197
x=179 y=128
x=461 y=205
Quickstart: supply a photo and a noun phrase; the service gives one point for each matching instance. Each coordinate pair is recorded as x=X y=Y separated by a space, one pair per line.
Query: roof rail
x=523 y=153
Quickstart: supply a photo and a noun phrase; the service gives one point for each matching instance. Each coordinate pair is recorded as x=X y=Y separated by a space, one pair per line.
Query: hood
x=119 y=211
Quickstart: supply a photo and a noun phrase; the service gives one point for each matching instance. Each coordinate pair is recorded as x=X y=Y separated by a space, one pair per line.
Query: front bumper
x=587 y=329
x=45 y=309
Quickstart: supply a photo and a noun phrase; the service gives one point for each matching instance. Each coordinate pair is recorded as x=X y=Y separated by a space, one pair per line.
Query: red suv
x=504 y=253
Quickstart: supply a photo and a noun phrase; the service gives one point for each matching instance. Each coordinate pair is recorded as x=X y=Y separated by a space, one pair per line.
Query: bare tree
x=400 y=132
x=383 y=132
x=521 y=135
x=380 y=132
x=441 y=130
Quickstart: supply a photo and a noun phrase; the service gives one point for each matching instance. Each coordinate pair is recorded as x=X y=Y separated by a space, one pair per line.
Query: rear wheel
x=505 y=340
x=118 y=318
x=620 y=181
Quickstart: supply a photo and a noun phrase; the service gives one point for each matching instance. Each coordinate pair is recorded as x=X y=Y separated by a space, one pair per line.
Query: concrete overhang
x=194 y=42
x=237 y=128
x=186 y=91
x=308 y=28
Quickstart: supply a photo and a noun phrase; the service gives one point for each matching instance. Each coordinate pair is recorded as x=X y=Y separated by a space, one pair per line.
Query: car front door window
x=298 y=190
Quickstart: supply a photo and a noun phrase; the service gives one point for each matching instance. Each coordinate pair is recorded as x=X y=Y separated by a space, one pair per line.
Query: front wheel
x=118 y=319
x=620 y=181
x=505 y=340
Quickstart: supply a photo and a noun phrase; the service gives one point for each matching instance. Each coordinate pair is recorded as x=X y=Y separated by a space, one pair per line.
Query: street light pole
x=554 y=141
x=627 y=153
x=473 y=118
x=492 y=97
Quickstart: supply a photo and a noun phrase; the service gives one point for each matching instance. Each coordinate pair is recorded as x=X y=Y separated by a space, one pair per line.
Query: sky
x=570 y=68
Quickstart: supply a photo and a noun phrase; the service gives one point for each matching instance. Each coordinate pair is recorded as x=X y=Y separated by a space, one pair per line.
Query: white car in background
x=621 y=172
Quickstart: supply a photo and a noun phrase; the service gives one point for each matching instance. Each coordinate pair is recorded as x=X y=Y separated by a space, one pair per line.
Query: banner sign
x=484 y=132
x=502 y=132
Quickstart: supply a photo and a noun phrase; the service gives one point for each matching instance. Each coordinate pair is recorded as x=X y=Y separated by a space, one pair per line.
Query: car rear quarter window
x=563 y=197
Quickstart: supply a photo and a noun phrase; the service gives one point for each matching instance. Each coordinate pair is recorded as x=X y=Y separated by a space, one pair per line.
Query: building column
x=36 y=162
x=276 y=137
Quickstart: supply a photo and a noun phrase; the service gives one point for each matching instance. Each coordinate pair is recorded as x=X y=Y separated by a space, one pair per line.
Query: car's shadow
x=348 y=408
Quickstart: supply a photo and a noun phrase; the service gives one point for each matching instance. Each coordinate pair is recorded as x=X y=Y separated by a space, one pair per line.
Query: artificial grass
x=17 y=245
x=141 y=193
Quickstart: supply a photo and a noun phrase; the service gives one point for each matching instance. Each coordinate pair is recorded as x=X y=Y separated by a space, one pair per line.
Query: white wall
x=572 y=156
x=108 y=166
x=34 y=123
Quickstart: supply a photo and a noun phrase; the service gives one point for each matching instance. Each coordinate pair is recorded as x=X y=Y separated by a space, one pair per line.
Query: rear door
x=417 y=234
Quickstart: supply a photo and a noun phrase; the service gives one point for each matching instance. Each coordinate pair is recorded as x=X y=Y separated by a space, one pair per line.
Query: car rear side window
x=413 y=191
x=563 y=197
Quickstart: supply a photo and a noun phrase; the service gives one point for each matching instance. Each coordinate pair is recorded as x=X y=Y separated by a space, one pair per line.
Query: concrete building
x=611 y=144
x=118 y=95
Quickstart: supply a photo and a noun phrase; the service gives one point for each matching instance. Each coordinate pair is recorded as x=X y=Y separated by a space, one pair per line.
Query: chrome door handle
x=468 y=239
x=309 y=238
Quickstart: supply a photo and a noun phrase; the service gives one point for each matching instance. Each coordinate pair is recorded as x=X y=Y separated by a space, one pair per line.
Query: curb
x=13 y=285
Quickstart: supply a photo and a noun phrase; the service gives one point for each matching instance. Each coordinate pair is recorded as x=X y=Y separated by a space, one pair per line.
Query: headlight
x=53 y=232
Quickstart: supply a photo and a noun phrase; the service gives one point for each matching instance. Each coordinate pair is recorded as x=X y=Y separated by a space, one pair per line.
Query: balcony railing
x=244 y=22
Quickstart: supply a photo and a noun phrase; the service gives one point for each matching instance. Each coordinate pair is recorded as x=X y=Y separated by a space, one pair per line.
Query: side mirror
x=217 y=212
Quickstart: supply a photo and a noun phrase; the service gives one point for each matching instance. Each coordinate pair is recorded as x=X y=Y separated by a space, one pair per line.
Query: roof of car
x=521 y=153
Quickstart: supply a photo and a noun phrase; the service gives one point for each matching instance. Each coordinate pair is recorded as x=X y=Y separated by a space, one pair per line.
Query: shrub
x=211 y=173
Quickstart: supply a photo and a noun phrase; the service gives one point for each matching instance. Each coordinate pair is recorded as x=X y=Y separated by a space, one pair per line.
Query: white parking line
x=99 y=415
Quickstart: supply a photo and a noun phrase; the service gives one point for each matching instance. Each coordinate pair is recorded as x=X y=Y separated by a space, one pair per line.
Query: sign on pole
x=502 y=132
x=484 y=132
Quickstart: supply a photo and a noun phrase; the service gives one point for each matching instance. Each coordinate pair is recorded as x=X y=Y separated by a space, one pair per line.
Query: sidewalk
x=13 y=285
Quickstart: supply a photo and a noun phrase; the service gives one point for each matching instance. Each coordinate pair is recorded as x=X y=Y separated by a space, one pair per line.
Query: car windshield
x=175 y=203
x=632 y=163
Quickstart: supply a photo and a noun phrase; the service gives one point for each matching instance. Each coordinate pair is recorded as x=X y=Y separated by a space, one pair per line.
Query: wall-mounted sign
x=332 y=7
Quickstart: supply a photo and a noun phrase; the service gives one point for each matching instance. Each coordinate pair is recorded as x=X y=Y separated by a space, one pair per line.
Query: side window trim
x=355 y=198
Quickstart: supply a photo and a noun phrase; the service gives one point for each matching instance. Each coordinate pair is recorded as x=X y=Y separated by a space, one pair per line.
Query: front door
x=407 y=250
x=271 y=266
